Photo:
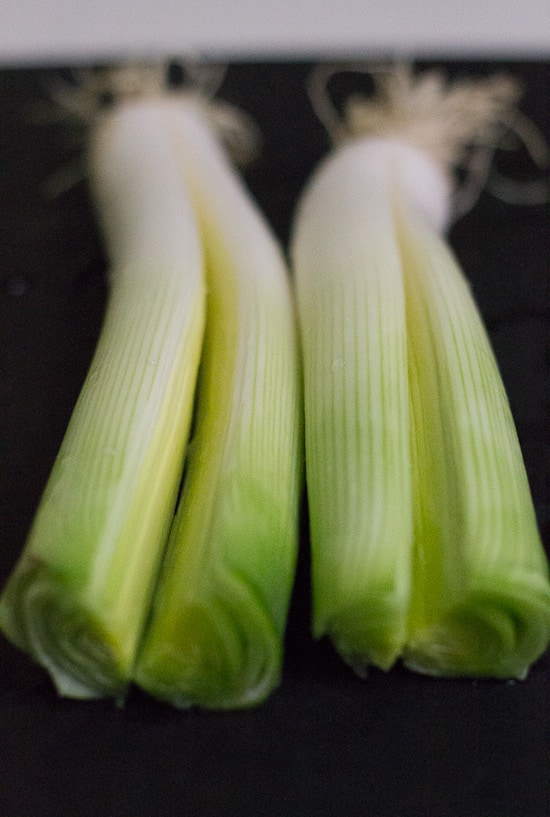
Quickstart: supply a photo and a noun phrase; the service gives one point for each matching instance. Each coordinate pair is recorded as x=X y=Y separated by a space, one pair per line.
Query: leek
x=215 y=638
x=353 y=331
x=481 y=595
x=423 y=534
x=79 y=595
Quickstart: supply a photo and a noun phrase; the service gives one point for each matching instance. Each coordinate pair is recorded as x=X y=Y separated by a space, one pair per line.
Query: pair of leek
x=196 y=370
x=424 y=539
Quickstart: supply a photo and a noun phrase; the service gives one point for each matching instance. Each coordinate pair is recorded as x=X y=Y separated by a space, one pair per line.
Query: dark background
x=325 y=743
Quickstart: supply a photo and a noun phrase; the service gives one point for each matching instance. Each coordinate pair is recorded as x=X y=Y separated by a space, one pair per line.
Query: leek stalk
x=481 y=595
x=79 y=595
x=215 y=638
x=353 y=330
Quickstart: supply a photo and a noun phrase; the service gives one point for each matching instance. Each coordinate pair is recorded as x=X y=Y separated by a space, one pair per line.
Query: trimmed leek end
x=216 y=635
x=371 y=633
x=498 y=631
x=43 y=616
x=481 y=594
x=218 y=648
x=215 y=638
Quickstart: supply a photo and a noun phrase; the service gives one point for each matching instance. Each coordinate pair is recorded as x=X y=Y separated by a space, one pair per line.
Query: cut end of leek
x=369 y=633
x=40 y=615
x=493 y=633
x=215 y=639
x=220 y=653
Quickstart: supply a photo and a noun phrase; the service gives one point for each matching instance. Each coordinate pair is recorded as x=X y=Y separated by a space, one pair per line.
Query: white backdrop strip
x=32 y=31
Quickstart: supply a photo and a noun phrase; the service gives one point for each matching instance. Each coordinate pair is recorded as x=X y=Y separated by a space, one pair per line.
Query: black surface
x=326 y=743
